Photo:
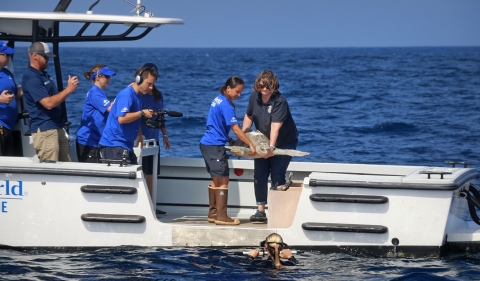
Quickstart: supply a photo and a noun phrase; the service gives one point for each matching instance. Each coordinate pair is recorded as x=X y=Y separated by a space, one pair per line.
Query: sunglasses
x=43 y=56
x=103 y=75
x=264 y=86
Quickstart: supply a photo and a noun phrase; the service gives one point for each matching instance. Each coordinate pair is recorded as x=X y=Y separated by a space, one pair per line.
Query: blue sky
x=295 y=23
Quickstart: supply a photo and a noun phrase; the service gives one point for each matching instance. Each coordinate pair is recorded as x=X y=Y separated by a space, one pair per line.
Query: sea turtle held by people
x=262 y=145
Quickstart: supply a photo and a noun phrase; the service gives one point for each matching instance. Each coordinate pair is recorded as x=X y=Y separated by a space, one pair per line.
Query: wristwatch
x=142 y=113
x=273 y=147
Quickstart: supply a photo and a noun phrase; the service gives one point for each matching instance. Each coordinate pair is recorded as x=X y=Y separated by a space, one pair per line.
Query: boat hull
x=380 y=210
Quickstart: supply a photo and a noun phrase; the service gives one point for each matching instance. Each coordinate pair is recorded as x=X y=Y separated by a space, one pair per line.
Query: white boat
x=383 y=210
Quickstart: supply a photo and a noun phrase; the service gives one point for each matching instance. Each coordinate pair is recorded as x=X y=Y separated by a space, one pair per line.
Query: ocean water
x=406 y=106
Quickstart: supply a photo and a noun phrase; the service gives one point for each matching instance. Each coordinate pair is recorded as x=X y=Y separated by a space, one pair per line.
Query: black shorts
x=147 y=165
x=87 y=154
x=216 y=160
x=6 y=142
x=116 y=153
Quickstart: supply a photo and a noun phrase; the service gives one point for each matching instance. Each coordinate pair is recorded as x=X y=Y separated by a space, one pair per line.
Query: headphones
x=149 y=65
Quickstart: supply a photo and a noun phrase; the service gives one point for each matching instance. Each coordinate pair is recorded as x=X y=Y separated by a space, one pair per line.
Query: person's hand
x=166 y=143
x=148 y=113
x=252 y=148
x=270 y=153
x=253 y=253
x=6 y=99
x=72 y=83
x=285 y=254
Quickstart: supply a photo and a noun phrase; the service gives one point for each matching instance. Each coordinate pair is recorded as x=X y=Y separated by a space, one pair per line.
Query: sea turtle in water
x=262 y=145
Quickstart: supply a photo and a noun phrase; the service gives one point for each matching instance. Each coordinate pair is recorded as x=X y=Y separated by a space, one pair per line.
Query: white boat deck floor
x=194 y=218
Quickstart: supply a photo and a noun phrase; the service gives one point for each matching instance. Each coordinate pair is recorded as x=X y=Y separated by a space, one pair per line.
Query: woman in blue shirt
x=221 y=118
x=94 y=116
x=153 y=101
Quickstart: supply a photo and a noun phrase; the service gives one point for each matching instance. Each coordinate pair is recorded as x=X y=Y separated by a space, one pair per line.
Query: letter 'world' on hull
x=262 y=145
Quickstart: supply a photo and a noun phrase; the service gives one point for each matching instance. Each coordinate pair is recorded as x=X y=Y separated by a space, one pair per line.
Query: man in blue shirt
x=8 y=103
x=123 y=123
x=44 y=105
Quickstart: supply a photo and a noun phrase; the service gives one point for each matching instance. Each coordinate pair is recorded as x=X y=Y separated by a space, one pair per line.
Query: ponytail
x=274 y=243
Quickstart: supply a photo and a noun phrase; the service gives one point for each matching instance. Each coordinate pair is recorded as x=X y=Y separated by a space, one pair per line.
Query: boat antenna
x=62 y=5
x=140 y=9
x=91 y=7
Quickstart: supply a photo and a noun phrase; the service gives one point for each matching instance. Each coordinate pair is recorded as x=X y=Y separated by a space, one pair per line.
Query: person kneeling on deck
x=123 y=123
x=275 y=249
x=221 y=118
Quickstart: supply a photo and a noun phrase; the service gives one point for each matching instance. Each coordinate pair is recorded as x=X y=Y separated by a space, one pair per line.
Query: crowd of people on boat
x=109 y=130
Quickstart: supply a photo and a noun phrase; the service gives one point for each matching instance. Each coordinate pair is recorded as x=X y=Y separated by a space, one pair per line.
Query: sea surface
x=405 y=106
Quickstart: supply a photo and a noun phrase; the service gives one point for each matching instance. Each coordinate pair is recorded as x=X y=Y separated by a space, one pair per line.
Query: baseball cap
x=105 y=71
x=5 y=49
x=40 y=48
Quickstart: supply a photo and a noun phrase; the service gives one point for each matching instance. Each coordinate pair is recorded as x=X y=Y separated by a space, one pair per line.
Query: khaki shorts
x=52 y=145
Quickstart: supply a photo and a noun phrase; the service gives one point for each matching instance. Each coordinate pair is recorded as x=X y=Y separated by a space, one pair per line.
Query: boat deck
x=197 y=217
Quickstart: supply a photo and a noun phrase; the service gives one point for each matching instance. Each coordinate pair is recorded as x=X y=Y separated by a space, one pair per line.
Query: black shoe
x=159 y=212
x=259 y=217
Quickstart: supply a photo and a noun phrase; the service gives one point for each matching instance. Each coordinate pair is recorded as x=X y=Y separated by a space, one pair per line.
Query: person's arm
x=166 y=142
x=241 y=135
x=247 y=123
x=133 y=116
x=287 y=254
x=19 y=92
x=274 y=130
x=110 y=106
x=139 y=139
x=51 y=102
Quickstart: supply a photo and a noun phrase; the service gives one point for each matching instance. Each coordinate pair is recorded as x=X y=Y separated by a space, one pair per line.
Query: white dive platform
x=382 y=210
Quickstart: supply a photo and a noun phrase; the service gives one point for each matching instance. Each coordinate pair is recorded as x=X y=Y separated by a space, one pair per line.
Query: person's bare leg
x=261 y=208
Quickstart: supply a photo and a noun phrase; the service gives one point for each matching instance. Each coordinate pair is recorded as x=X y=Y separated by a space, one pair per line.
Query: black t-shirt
x=275 y=110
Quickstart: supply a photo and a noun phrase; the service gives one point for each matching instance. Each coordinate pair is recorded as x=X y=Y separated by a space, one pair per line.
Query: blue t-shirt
x=38 y=85
x=124 y=135
x=94 y=117
x=220 y=117
x=8 y=112
x=148 y=102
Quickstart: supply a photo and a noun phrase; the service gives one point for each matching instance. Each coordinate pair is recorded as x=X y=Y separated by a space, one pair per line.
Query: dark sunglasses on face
x=43 y=56
x=103 y=75
x=264 y=86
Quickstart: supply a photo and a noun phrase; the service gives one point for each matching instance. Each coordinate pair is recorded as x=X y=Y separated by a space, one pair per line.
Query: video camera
x=158 y=121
